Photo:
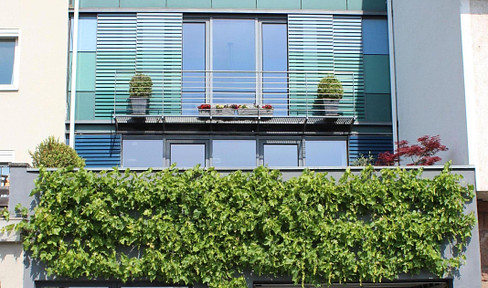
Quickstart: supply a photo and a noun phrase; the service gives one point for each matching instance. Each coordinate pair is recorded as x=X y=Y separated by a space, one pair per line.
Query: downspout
x=74 y=65
x=391 y=40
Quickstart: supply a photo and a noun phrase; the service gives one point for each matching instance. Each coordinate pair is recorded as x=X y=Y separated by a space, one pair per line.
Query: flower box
x=247 y=111
x=204 y=112
x=265 y=112
x=223 y=111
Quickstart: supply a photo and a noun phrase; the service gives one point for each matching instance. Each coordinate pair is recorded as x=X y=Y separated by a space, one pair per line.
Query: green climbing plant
x=198 y=226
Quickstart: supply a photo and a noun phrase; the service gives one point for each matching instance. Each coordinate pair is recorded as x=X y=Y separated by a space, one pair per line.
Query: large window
x=142 y=152
x=235 y=61
x=281 y=155
x=233 y=152
x=194 y=62
x=325 y=153
x=188 y=155
x=9 y=59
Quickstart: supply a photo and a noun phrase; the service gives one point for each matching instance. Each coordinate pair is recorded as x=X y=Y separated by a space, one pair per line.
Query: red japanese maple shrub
x=423 y=154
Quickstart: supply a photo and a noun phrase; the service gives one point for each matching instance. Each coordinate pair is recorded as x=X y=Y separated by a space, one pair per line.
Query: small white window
x=9 y=59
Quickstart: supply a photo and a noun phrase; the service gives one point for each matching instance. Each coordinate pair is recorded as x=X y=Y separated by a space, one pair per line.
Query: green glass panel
x=86 y=71
x=371 y=5
x=279 y=4
x=378 y=107
x=99 y=3
x=376 y=74
x=241 y=4
x=189 y=4
x=85 y=105
x=324 y=4
x=143 y=3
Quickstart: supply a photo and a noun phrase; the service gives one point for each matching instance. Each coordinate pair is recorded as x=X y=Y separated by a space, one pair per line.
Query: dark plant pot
x=138 y=105
x=328 y=107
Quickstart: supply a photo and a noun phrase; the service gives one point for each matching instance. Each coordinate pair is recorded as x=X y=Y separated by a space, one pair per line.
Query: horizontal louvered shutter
x=99 y=150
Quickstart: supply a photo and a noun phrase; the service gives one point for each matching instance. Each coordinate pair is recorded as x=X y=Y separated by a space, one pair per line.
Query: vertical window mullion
x=209 y=61
x=259 y=62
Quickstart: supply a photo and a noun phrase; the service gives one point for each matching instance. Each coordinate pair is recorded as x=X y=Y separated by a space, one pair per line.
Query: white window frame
x=12 y=33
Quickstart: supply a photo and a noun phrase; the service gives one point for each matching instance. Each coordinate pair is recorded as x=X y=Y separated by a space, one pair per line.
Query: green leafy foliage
x=51 y=153
x=198 y=226
x=330 y=88
x=140 y=86
x=5 y=214
x=363 y=160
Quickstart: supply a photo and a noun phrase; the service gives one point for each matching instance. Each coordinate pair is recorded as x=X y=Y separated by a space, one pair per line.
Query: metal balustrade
x=257 y=93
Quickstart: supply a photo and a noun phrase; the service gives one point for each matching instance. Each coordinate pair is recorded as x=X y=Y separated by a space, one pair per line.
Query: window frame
x=325 y=139
x=140 y=137
x=15 y=35
x=259 y=20
x=261 y=141
x=188 y=141
x=282 y=141
x=237 y=138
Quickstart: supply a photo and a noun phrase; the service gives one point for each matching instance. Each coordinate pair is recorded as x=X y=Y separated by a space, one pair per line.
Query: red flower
x=267 y=106
x=204 y=106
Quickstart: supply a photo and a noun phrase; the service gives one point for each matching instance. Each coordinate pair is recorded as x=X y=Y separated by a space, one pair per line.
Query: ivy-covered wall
x=197 y=226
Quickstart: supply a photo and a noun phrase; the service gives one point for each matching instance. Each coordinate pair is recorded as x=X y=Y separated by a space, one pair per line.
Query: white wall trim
x=470 y=97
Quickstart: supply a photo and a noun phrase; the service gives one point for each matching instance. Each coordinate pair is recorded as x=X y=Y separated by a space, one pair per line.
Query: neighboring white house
x=33 y=61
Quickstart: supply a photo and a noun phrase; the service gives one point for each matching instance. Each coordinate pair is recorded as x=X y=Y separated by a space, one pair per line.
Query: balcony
x=176 y=95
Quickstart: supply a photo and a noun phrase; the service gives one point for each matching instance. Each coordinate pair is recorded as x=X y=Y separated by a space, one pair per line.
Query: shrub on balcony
x=51 y=153
x=330 y=87
x=198 y=226
x=140 y=86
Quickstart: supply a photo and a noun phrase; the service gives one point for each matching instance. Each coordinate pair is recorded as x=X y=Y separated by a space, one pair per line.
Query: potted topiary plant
x=329 y=92
x=140 y=90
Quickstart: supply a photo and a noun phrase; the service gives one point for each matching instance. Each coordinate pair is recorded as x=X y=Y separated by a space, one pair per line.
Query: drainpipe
x=394 y=110
x=74 y=60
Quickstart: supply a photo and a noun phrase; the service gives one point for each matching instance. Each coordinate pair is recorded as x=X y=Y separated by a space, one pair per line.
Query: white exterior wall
x=475 y=49
x=37 y=108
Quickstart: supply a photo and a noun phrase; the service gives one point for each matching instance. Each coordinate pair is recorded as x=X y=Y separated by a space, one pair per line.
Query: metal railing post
x=162 y=92
x=306 y=93
x=115 y=93
x=354 y=95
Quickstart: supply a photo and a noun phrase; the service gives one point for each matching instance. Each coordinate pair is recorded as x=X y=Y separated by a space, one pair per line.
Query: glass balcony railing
x=234 y=93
